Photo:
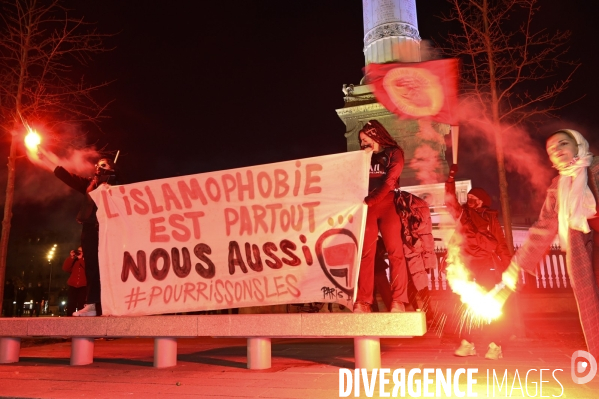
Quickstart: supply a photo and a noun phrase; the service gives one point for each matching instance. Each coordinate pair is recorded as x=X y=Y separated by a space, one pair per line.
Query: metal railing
x=551 y=273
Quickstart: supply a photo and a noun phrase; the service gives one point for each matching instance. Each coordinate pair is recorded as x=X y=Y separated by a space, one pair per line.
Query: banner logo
x=337 y=259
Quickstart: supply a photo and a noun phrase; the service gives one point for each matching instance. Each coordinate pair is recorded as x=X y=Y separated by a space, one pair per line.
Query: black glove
x=453 y=169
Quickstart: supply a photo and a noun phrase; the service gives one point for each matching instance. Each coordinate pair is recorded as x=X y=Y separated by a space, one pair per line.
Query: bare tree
x=511 y=71
x=42 y=50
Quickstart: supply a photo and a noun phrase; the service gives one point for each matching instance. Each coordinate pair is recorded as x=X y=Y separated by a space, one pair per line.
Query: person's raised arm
x=451 y=199
x=45 y=160
x=69 y=262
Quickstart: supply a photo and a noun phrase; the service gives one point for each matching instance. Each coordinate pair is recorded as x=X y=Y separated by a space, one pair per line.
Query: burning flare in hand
x=481 y=306
x=35 y=152
x=32 y=140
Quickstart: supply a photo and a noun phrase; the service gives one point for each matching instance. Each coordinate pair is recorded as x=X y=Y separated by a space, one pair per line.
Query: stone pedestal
x=423 y=142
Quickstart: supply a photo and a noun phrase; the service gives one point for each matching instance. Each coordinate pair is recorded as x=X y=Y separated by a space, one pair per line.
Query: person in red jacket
x=77 y=283
x=484 y=251
x=385 y=168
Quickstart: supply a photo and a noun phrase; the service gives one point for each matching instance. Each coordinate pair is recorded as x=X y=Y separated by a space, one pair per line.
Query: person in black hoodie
x=105 y=173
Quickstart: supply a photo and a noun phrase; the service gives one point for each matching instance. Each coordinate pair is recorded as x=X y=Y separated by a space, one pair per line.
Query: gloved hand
x=453 y=169
x=510 y=276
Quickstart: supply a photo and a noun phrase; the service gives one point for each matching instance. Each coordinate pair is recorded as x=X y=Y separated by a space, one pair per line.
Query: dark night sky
x=204 y=86
x=211 y=85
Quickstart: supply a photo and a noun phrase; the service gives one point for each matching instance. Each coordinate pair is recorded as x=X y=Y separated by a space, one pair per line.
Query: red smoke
x=523 y=154
x=426 y=161
x=34 y=184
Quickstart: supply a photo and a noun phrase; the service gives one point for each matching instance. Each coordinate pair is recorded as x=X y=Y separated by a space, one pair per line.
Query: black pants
x=89 y=244
x=76 y=299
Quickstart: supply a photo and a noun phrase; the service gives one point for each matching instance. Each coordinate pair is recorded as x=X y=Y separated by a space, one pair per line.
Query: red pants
x=383 y=217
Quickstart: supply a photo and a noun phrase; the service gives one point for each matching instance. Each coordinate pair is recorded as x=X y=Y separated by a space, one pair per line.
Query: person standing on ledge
x=386 y=166
x=105 y=174
x=485 y=254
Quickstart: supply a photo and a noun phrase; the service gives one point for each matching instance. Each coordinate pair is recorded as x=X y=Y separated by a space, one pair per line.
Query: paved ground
x=213 y=368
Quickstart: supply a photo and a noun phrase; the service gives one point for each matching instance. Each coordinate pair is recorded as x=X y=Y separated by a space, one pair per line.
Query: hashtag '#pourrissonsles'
x=134 y=297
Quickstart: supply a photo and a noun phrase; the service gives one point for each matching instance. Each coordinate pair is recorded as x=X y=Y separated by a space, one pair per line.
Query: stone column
x=390 y=25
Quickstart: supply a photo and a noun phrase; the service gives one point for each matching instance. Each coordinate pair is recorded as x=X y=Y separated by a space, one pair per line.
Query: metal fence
x=551 y=273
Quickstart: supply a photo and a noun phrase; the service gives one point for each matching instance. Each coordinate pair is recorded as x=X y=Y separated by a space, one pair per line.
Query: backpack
x=417 y=235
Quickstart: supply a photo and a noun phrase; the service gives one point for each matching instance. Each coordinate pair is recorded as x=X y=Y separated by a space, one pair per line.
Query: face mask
x=472 y=203
x=104 y=172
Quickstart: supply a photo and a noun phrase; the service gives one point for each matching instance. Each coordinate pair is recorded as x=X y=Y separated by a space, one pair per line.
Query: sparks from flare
x=32 y=139
x=479 y=306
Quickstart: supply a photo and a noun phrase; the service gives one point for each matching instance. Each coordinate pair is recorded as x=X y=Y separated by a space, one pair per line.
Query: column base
x=165 y=352
x=367 y=352
x=9 y=349
x=82 y=351
x=259 y=353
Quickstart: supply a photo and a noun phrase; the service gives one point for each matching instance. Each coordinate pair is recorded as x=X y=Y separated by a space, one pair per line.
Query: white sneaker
x=494 y=352
x=465 y=349
x=88 y=310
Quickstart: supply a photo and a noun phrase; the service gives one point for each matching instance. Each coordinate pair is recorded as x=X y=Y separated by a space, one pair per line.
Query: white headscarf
x=576 y=202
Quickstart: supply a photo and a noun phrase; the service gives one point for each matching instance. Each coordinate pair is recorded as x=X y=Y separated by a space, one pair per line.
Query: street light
x=50 y=256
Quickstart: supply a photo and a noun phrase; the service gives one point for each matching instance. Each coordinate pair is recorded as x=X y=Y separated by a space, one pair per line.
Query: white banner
x=288 y=232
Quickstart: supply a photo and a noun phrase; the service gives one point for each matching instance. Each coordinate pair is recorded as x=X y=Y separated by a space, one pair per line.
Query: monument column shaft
x=390 y=31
